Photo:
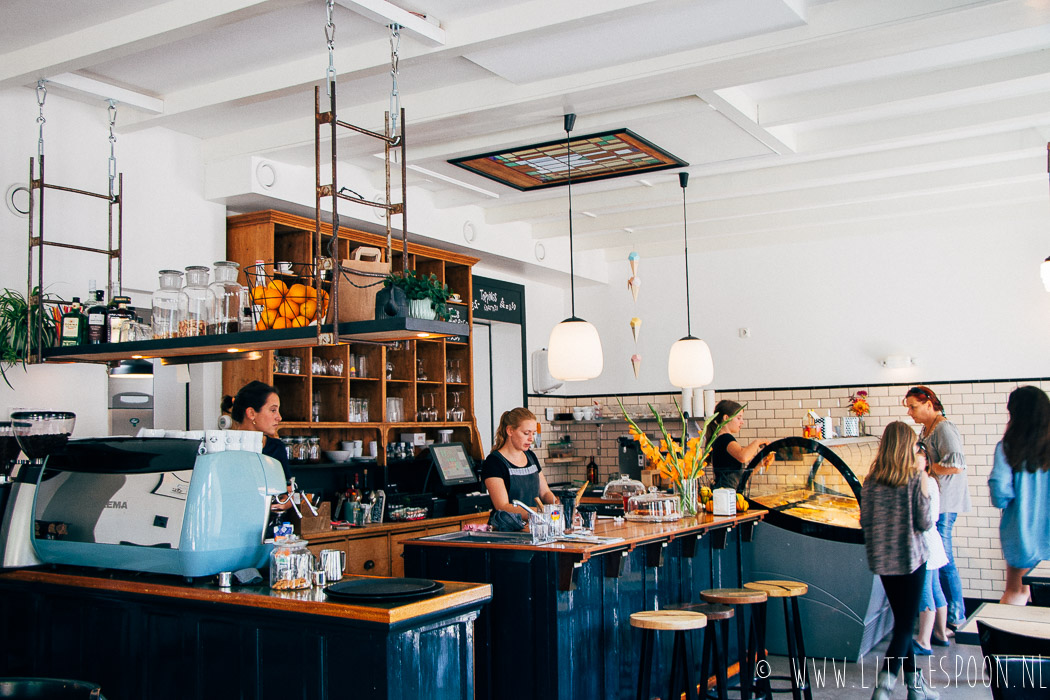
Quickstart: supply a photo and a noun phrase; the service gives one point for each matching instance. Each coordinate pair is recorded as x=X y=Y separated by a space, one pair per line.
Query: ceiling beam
x=127 y=35
x=98 y=90
x=386 y=13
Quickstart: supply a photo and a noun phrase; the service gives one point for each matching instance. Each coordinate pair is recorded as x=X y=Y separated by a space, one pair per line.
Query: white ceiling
x=793 y=114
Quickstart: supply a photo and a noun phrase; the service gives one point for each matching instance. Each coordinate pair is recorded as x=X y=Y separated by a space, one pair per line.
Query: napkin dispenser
x=154 y=505
x=724 y=501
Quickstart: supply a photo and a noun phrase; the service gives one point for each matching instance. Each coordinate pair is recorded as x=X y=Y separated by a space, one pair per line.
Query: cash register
x=442 y=478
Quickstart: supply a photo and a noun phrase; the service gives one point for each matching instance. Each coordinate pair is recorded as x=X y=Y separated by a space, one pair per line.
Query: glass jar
x=653 y=508
x=229 y=299
x=166 y=305
x=195 y=303
x=313 y=449
x=290 y=565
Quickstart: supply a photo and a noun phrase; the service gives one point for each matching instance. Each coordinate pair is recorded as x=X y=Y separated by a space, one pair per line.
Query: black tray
x=374 y=590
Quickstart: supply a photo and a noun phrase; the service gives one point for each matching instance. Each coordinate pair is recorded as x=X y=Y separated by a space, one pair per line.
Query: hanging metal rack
x=37 y=243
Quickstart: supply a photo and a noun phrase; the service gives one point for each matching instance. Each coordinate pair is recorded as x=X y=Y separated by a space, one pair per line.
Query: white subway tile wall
x=978 y=409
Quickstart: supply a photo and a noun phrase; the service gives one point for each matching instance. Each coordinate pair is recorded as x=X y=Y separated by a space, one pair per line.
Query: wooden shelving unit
x=271 y=236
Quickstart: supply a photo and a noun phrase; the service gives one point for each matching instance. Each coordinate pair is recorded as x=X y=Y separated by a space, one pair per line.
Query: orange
x=271 y=298
x=258 y=294
x=299 y=322
x=261 y=326
x=266 y=318
x=309 y=309
x=288 y=309
x=311 y=293
x=297 y=293
x=280 y=322
x=279 y=285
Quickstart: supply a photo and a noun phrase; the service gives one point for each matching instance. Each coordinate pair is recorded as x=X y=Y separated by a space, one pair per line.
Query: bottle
x=353 y=494
x=537 y=440
x=96 y=319
x=116 y=317
x=195 y=303
x=592 y=472
x=74 y=325
x=256 y=276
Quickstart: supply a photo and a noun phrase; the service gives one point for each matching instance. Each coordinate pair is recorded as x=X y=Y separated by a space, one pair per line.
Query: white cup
x=283 y=266
x=347 y=445
x=233 y=440
x=252 y=441
x=577 y=413
x=215 y=440
x=588 y=413
x=373 y=448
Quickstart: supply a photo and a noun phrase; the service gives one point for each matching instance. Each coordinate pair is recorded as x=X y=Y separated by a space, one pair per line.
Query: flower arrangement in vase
x=858 y=404
x=427 y=291
x=681 y=461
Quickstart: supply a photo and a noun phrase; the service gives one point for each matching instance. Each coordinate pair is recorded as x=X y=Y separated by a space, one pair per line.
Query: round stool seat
x=733 y=596
x=712 y=611
x=779 y=589
x=668 y=620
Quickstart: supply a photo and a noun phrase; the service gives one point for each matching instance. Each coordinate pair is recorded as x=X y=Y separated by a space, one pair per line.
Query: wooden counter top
x=633 y=534
x=391 y=527
x=310 y=601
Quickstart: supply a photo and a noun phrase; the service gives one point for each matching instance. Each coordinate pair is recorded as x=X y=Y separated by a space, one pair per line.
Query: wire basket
x=284 y=295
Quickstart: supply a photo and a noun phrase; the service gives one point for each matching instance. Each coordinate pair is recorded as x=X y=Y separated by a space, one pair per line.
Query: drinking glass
x=421 y=374
x=335 y=367
x=317 y=367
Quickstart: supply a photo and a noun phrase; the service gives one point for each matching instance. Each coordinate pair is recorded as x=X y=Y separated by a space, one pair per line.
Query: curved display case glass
x=809 y=488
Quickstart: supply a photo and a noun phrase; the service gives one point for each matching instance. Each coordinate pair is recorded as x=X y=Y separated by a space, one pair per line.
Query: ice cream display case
x=811 y=489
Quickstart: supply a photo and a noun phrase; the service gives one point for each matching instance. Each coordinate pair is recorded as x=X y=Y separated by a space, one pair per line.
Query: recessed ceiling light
x=628 y=230
x=591 y=214
x=646 y=183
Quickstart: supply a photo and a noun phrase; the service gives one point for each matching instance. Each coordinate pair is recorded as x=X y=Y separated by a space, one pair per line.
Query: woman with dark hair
x=1020 y=486
x=258 y=407
x=729 y=457
x=894 y=512
x=947 y=463
x=512 y=470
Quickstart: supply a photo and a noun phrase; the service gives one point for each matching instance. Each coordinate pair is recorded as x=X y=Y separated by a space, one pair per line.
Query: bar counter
x=151 y=636
x=558 y=624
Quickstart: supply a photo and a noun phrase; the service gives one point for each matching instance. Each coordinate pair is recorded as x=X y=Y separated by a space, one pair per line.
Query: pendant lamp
x=689 y=365
x=574 y=350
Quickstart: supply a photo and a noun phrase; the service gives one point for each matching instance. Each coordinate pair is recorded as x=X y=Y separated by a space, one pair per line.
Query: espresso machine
x=160 y=505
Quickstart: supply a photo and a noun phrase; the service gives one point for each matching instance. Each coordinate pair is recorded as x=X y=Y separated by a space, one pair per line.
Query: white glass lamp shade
x=690 y=364
x=1044 y=272
x=574 y=351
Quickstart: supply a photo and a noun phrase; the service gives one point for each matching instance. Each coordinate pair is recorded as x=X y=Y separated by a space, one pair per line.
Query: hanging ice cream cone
x=633 y=284
x=636 y=328
x=636 y=363
x=633 y=258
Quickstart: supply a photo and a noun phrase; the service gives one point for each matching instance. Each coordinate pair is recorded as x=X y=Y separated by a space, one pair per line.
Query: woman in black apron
x=512 y=471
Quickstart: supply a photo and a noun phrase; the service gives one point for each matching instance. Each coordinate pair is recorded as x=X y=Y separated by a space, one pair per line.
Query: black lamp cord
x=570 y=119
x=683 y=180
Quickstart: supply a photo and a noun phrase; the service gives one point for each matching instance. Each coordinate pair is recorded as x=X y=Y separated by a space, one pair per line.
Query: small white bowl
x=338 y=455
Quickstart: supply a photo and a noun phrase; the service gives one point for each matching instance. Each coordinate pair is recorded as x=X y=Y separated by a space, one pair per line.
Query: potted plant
x=426 y=294
x=15 y=342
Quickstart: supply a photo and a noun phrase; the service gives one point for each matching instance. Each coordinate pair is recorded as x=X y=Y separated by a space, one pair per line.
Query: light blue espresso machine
x=142 y=504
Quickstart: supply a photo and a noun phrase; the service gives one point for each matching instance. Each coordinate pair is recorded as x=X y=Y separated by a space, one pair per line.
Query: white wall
x=167 y=223
x=963 y=296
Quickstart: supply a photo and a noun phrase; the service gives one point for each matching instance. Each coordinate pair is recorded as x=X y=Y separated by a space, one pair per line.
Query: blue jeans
x=932 y=595
x=949 y=575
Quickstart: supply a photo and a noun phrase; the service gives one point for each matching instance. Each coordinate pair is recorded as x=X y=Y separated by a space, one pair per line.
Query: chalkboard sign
x=457 y=314
x=495 y=300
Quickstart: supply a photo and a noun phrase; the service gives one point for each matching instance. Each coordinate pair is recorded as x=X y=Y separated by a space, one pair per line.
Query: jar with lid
x=166 y=305
x=195 y=303
x=290 y=565
x=313 y=451
x=230 y=299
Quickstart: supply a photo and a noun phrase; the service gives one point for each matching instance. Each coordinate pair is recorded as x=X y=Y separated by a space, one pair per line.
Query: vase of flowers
x=853 y=425
x=681 y=461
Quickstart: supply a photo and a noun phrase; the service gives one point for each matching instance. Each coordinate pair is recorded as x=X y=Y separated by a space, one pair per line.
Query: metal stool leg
x=687 y=662
x=795 y=668
x=758 y=620
x=801 y=647
x=645 y=664
x=676 y=663
x=720 y=642
x=746 y=671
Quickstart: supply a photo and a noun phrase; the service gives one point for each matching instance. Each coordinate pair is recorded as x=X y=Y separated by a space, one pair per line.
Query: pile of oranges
x=286 y=306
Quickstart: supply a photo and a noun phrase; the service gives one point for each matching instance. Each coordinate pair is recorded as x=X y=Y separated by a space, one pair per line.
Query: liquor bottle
x=537 y=439
x=592 y=472
x=115 y=318
x=96 y=319
x=354 y=495
x=74 y=325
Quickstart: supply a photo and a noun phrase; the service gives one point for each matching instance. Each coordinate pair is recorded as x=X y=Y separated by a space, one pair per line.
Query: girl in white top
x=933 y=610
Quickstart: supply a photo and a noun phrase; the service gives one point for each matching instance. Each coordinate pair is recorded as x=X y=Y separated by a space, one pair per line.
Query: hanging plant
x=417 y=286
x=15 y=342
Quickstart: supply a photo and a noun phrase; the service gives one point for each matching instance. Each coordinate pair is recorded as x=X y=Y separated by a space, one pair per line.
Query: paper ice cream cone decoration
x=633 y=260
x=636 y=327
x=633 y=284
x=636 y=363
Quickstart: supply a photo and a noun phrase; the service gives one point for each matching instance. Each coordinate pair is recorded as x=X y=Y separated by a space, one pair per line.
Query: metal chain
x=41 y=97
x=112 y=146
x=329 y=33
x=395 y=96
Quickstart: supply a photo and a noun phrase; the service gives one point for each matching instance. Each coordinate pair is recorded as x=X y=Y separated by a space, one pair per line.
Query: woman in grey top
x=948 y=465
x=894 y=512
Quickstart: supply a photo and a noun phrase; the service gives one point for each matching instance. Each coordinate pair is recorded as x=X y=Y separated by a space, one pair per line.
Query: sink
x=483 y=537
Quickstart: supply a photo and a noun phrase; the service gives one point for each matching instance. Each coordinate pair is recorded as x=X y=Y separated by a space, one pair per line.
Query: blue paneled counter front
x=558 y=623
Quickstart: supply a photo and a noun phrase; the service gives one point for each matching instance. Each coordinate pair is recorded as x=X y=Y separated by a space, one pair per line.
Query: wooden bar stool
x=716 y=639
x=751 y=634
x=680 y=622
x=790 y=591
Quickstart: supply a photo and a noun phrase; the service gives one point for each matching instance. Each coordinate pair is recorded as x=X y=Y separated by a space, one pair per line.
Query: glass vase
x=687 y=489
